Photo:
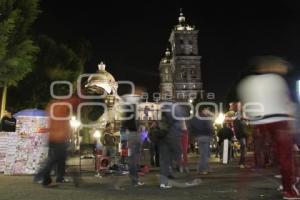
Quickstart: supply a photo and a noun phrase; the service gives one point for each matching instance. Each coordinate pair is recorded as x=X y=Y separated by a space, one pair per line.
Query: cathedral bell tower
x=185 y=62
x=166 y=76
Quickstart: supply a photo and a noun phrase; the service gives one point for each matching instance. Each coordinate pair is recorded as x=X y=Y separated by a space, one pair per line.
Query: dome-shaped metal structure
x=101 y=82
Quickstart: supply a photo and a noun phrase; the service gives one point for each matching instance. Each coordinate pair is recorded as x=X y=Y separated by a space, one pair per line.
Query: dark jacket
x=108 y=140
x=239 y=129
x=225 y=133
x=174 y=125
x=130 y=124
x=199 y=127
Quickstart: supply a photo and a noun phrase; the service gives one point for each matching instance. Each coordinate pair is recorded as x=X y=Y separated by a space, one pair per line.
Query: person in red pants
x=270 y=110
x=184 y=147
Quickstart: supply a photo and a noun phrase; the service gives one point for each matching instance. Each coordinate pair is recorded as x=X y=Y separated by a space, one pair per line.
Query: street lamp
x=97 y=134
x=220 y=119
x=191 y=112
x=75 y=124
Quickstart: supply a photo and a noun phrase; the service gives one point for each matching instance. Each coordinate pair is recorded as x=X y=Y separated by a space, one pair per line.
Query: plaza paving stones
x=225 y=182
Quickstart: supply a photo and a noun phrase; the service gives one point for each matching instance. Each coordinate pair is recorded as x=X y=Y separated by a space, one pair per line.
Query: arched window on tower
x=182 y=45
x=193 y=74
x=163 y=78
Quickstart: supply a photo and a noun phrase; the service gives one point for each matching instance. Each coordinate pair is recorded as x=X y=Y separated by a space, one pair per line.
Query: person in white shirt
x=268 y=108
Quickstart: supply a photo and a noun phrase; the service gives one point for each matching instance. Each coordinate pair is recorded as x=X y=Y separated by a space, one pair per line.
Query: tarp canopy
x=31 y=113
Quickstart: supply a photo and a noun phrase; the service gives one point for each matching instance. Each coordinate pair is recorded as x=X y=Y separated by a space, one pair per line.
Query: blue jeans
x=204 y=152
x=109 y=151
x=134 y=146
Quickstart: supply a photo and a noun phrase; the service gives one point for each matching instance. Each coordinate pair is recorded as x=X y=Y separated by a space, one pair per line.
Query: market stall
x=23 y=151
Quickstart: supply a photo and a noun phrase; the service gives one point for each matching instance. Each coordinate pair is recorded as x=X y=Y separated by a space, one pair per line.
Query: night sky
x=131 y=37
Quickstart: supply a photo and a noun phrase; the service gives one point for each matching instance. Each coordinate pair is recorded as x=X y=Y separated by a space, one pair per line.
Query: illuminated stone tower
x=185 y=62
x=166 y=76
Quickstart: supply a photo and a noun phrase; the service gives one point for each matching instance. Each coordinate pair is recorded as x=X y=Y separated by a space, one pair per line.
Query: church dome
x=102 y=80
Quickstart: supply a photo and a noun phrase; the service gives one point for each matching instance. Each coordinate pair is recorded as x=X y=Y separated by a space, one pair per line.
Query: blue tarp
x=31 y=113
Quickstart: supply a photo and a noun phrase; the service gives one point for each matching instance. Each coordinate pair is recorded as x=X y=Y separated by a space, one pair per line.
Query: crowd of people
x=264 y=105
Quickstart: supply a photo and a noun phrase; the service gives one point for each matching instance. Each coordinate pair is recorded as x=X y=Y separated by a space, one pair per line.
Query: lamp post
x=97 y=136
x=75 y=124
x=220 y=119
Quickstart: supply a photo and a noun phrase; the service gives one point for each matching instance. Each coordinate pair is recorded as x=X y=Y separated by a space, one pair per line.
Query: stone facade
x=166 y=76
x=180 y=69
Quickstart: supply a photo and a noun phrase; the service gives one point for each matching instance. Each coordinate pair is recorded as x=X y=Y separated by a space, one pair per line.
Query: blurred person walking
x=202 y=127
x=268 y=107
x=60 y=132
x=130 y=124
x=170 y=144
x=154 y=154
x=184 y=146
